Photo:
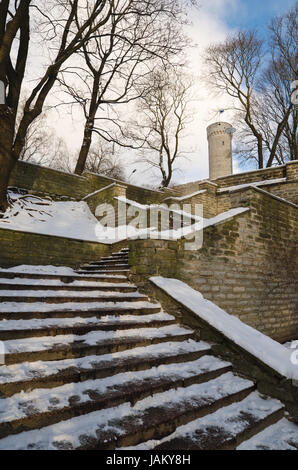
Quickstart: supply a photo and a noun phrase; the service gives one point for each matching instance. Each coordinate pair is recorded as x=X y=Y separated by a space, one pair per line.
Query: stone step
x=123 y=287
x=108 y=277
x=107 y=263
x=280 y=436
x=106 y=267
x=26 y=311
x=48 y=406
x=115 y=258
x=72 y=296
x=121 y=272
x=225 y=429
x=49 y=374
x=126 y=425
x=94 y=343
x=16 y=329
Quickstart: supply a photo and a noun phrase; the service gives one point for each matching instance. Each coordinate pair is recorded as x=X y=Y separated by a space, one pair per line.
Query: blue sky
x=255 y=13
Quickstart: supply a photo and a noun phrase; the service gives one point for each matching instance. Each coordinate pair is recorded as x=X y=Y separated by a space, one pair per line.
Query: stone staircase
x=93 y=364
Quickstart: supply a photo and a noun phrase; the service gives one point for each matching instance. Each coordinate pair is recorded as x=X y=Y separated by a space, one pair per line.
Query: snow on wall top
x=270 y=352
x=255 y=184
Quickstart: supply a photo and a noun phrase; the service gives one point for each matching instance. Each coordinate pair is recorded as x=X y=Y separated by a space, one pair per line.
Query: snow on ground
x=61 y=218
x=267 y=350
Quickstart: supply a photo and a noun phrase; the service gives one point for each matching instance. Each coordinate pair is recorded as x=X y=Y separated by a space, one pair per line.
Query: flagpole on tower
x=220 y=112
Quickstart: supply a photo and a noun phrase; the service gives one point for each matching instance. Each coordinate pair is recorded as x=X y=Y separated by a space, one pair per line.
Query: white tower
x=220 y=149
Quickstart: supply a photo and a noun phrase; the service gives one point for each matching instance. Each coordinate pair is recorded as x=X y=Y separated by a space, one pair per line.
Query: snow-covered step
x=95 y=342
x=16 y=329
x=104 y=266
x=282 y=435
x=108 y=277
x=52 y=296
x=83 y=286
x=25 y=310
x=110 y=262
x=224 y=429
x=128 y=425
x=74 y=399
x=29 y=375
x=105 y=271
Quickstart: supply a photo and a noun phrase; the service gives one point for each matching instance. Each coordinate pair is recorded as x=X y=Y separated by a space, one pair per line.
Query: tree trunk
x=80 y=166
x=260 y=153
x=7 y=160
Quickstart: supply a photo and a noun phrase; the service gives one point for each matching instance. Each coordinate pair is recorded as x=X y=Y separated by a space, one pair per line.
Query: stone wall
x=39 y=179
x=247 y=266
x=252 y=176
x=216 y=201
x=18 y=248
x=268 y=381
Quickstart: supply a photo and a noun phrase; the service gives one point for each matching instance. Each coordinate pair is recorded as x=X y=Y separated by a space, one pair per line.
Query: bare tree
x=277 y=83
x=233 y=68
x=137 y=35
x=68 y=25
x=164 y=112
x=103 y=160
x=41 y=144
x=266 y=117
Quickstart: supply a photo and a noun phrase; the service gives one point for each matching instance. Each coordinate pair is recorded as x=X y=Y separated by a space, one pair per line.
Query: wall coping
x=98 y=191
x=262 y=347
x=254 y=184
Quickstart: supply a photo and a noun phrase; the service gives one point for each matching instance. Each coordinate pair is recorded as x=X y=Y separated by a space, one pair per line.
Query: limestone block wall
x=18 y=248
x=38 y=179
x=105 y=196
x=292 y=170
x=252 y=176
x=287 y=190
x=247 y=266
x=288 y=171
x=46 y=180
x=135 y=193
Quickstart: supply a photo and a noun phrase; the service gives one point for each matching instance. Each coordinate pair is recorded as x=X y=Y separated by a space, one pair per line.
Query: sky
x=212 y=22
x=255 y=13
